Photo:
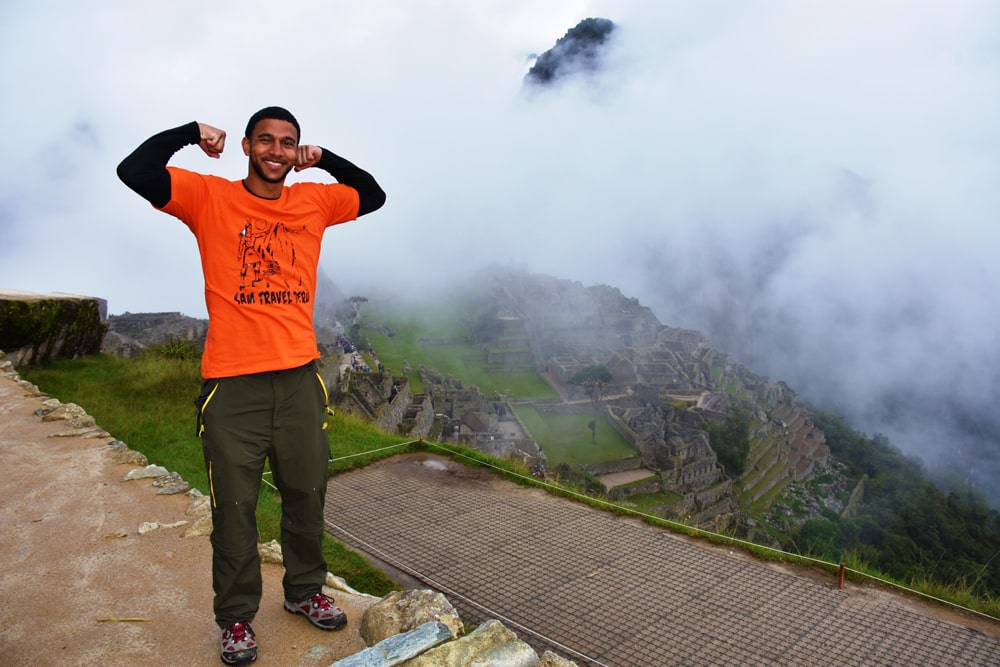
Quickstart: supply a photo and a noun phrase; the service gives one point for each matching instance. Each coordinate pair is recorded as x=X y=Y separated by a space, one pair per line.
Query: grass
x=147 y=402
x=650 y=503
x=435 y=341
x=566 y=438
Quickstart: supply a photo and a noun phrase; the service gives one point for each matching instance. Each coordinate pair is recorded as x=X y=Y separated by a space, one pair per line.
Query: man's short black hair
x=275 y=113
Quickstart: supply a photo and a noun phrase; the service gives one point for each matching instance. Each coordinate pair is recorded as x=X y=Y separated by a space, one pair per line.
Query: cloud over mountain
x=579 y=51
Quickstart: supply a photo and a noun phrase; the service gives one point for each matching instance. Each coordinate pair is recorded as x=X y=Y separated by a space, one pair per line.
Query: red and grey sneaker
x=320 y=612
x=239 y=644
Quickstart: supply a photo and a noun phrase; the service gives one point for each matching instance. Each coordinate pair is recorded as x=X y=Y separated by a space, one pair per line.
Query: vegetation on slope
x=899 y=523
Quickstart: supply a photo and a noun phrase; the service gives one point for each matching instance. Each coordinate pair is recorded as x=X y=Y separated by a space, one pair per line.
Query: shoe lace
x=239 y=631
x=320 y=601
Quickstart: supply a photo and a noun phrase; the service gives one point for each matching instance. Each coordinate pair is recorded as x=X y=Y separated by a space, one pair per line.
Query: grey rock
x=550 y=659
x=202 y=527
x=71 y=413
x=490 y=644
x=398 y=649
x=89 y=432
x=145 y=473
x=170 y=484
x=270 y=552
x=120 y=453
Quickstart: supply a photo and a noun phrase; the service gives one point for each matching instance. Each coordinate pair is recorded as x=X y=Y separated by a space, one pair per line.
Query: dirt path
x=76 y=570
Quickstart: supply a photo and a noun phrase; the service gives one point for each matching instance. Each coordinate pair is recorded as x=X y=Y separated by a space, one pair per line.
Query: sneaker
x=239 y=644
x=319 y=611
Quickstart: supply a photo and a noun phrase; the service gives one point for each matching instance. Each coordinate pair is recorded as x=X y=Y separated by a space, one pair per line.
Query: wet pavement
x=602 y=589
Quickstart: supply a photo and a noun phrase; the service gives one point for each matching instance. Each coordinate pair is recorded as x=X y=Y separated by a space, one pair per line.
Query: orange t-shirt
x=259 y=258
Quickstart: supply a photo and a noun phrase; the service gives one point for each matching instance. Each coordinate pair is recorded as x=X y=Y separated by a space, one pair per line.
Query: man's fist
x=213 y=140
x=307 y=157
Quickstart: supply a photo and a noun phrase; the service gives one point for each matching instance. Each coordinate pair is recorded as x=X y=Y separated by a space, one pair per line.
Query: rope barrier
x=681 y=527
x=705 y=533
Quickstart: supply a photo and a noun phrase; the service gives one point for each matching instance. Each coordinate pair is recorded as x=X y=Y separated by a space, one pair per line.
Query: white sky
x=830 y=167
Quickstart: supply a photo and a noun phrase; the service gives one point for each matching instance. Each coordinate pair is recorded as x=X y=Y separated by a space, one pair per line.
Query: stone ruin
x=667 y=384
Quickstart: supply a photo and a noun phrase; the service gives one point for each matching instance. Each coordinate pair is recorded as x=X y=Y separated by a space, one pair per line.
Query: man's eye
x=289 y=144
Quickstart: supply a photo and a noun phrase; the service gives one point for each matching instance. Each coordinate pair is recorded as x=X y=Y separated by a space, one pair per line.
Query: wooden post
x=840 y=582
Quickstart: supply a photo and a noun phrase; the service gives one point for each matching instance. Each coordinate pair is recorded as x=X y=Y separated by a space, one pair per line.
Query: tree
x=595 y=380
x=731 y=441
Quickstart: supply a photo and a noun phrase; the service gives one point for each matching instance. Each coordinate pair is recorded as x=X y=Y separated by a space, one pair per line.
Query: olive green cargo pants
x=280 y=416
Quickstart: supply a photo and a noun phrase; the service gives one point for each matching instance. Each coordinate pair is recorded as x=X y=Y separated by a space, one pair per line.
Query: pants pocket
x=327 y=410
x=208 y=389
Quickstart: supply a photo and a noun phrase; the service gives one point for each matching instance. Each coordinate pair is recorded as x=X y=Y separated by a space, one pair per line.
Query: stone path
x=607 y=590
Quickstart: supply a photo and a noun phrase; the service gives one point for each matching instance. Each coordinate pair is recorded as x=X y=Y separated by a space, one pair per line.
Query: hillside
x=707 y=440
x=681 y=431
x=669 y=388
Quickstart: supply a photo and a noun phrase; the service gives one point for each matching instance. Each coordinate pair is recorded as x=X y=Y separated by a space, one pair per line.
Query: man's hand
x=213 y=140
x=307 y=157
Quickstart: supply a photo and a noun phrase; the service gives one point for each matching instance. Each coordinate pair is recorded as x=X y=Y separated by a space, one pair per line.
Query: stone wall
x=611 y=467
x=650 y=486
x=389 y=415
x=142 y=330
x=418 y=419
x=363 y=394
x=38 y=327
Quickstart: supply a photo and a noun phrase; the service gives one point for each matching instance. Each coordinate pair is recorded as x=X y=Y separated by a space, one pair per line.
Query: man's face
x=272 y=149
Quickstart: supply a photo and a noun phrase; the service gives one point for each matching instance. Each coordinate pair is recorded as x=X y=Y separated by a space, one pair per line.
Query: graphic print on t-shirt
x=268 y=273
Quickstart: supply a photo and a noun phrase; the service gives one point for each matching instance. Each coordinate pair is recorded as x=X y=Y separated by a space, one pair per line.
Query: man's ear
x=246 y=146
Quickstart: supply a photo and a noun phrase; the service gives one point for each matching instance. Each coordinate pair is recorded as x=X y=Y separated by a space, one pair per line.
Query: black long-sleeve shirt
x=145 y=172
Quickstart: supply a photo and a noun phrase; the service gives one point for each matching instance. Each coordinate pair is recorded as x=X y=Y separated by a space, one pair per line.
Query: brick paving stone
x=603 y=589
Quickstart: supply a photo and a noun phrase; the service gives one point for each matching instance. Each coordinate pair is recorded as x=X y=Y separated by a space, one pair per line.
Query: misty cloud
x=578 y=51
x=812 y=185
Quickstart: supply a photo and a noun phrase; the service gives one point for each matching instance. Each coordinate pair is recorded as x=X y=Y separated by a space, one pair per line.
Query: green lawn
x=566 y=438
x=411 y=346
x=434 y=340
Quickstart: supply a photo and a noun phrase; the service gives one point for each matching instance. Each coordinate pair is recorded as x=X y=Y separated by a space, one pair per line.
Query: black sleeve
x=145 y=169
x=370 y=194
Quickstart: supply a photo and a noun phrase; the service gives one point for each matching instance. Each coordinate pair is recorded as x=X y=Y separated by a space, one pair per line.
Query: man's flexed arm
x=370 y=194
x=145 y=169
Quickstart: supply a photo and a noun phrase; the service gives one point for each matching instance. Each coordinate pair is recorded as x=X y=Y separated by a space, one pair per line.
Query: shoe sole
x=245 y=660
x=336 y=623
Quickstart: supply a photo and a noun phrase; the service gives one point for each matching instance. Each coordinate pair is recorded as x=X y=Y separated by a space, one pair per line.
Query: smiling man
x=262 y=397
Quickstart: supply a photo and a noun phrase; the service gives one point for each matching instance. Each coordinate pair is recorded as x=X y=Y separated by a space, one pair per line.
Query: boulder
x=402 y=611
x=490 y=644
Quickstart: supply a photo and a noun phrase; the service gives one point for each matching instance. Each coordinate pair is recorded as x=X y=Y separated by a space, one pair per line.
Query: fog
x=811 y=184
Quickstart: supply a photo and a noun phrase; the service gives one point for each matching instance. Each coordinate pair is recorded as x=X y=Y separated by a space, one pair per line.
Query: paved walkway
x=607 y=590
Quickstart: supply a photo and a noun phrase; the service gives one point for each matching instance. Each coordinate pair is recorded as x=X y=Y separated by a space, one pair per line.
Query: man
x=261 y=398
